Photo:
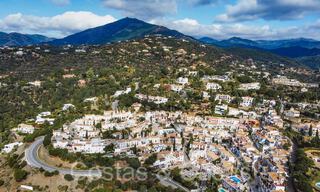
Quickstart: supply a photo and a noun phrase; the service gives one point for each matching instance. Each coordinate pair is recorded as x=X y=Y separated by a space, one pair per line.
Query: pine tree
x=310 y=131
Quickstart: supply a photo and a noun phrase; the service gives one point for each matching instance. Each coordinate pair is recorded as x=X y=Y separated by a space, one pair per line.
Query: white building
x=166 y=159
x=205 y=95
x=222 y=78
x=91 y=99
x=223 y=98
x=176 y=88
x=193 y=73
x=95 y=145
x=249 y=86
x=220 y=109
x=67 y=107
x=182 y=80
x=35 y=83
x=283 y=80
x=43 y=117
x=246 y=101
x=24 y=128
x=154 y=99
x=122 y=92
x=213 y=86
x=26 y=188
x=292 y=113
x=9 y=147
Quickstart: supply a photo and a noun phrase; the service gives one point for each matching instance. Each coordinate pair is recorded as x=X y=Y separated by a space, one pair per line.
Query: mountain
x=238 y=42
x=18 y=39
x=124 y=29
x=263 y=44
x=262 y=56
x=296 y=51
x=208 y=40
x=304 y=51
x=299 y=42
x=312 y=61
x=232 y=42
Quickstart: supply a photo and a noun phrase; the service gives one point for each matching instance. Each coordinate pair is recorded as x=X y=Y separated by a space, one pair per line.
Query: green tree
x=68 y=177
x=109 y=148
x=20 y=174
x=47 y=140
x=310 y=130
x=90 y=74
x=151 y=159
x=133 y=162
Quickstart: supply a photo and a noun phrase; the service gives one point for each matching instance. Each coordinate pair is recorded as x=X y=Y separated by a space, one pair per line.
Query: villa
x=183 y=80
x=9 y=147
x=249 y=86
x=213 y=86
x=24 y=128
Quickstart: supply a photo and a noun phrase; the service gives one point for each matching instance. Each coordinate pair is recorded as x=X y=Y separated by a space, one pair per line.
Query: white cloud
x=58 y=26
x=245 y=10
x=146 y=9
x=60 y=2
x=202 y=2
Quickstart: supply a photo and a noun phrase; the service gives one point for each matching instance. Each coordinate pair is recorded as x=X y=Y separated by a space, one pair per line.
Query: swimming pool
x=318 y=185
x=235 y=179
x=222 y=190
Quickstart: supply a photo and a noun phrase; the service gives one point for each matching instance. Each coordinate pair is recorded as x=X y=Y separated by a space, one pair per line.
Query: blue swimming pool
x=235 y=179
x=318 y=185
x=222 y=190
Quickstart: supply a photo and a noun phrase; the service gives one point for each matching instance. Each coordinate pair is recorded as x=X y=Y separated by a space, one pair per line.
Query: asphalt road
x=32 y=158
x=169 y=182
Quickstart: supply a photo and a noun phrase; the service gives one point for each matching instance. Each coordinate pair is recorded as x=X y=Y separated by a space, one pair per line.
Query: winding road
x=169 y=182
x=33 y=160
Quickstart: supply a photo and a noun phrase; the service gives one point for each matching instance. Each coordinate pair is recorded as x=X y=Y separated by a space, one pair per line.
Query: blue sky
x=220 y=19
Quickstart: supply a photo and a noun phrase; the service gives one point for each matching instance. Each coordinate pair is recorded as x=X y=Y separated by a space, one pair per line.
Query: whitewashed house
x=67 y=106
x=249 y=86
x=183 y=80
x=24 y=128
x=246 y=101
x=213 y=86
x=223 y=98
x=292 y=113
x=220 y=109
x=176 y=88
x=9 y=147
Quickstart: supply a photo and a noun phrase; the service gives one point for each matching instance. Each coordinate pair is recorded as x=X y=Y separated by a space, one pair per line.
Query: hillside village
x=208 y=119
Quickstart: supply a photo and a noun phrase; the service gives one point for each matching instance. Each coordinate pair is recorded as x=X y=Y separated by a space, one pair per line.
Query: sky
x=219 y=19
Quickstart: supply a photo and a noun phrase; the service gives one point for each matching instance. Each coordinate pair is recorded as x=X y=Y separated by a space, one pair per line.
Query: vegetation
x=50 y=174
x=68 y=177
x=151 y=159
x=175 y=174
x=300 y=172
x=1 y=182
x=106 y=69
x=310 y=61
x=20 y=175
x=301 y=169
x=133 y=162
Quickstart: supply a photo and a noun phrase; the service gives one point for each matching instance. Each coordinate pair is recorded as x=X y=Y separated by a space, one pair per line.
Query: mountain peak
x=123 y=29
x=236 y=38
x=132 y=19
x=239 y=39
